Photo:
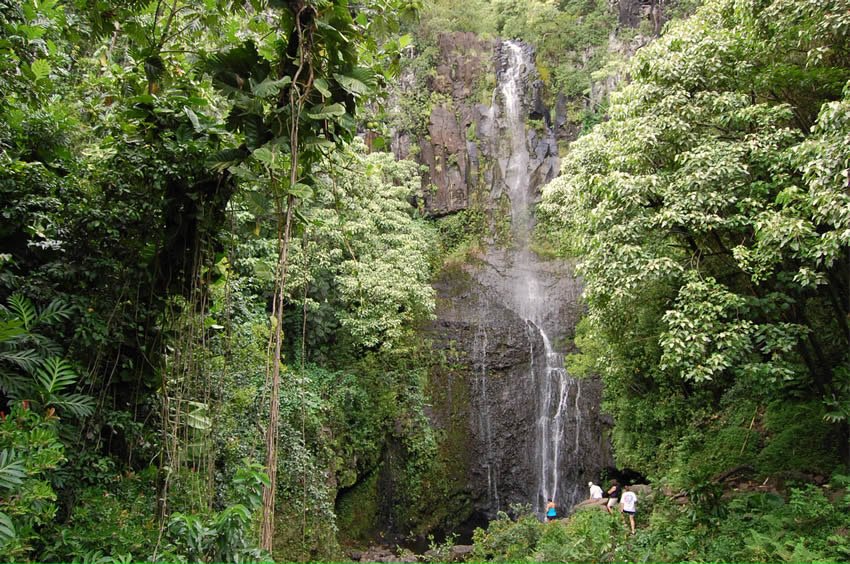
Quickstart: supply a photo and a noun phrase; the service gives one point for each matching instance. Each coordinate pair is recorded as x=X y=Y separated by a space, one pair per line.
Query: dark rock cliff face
x=486 y=394
x=463 y=146
x=632 y=12
x=453 y=160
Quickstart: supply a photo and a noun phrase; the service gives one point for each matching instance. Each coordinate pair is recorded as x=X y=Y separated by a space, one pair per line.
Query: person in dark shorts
x=629 y=503
x=551 y=513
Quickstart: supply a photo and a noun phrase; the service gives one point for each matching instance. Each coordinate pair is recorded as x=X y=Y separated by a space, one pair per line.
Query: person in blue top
x=551 y=513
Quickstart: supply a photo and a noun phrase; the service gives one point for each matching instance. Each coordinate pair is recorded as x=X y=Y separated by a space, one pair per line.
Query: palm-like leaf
x=358 y=81
x=12 y=471
x=45 y=345
x=232 y=70
x=23 y=310
x=11 y=330
x=77 y=405
x=226 y=158
x=14 y=385
x=55 y=311
x=7 y=529
x=26 y=359
x=54 y=375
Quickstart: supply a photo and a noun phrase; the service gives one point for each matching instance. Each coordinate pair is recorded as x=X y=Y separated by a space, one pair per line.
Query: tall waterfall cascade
x=532 y=303
x=517 y=428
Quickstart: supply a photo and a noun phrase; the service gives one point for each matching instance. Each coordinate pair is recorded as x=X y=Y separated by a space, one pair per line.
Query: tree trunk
x=267 y=524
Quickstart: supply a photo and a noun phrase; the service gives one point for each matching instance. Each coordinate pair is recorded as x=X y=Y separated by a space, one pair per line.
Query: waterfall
x=553 y=385
x=485 y=430
x=515 y=165
x=553 y=402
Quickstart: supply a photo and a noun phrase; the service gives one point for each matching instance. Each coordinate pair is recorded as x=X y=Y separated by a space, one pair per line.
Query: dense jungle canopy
x=222 y=270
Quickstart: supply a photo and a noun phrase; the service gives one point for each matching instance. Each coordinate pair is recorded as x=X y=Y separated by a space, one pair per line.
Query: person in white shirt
x=629 y=501
x=595 y=491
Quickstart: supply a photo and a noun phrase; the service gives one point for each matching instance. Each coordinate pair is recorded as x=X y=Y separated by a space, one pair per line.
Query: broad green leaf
x=40 y=68
x=192 y=117
x=323 y=112
x=319 y=142
x=265 y=156
x=322 y=86
x=302 y=191
x=352 y=84
x=269 y=88
x=198 y=418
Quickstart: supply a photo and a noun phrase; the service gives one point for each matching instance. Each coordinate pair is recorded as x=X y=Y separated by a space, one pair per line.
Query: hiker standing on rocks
x=595 y=492
x=551 y=513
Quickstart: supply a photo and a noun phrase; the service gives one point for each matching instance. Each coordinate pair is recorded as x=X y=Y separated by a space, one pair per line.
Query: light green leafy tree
x=711 y=214
x=383 y=270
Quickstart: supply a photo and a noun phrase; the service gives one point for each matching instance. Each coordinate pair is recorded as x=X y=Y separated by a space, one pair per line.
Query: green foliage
x=358 y=509
x=564 y=34
x=460 y=234
x=589 y=535
x=133 y=137
x=442 y=16
x=30 y=454
x=225 y=535
x=440 y=552
x=506 y=540
x=756 y=526
x=29 y=369
x=709 y=273
x=114 y=518
x=800 y=440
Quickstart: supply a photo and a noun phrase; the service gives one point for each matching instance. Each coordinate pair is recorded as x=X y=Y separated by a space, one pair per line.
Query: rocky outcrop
x=448 y=150
x=632 y=12
x=461 y=150
x=621 y=50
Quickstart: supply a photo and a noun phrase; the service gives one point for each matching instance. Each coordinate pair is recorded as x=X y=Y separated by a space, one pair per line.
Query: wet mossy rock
x=357 y=510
